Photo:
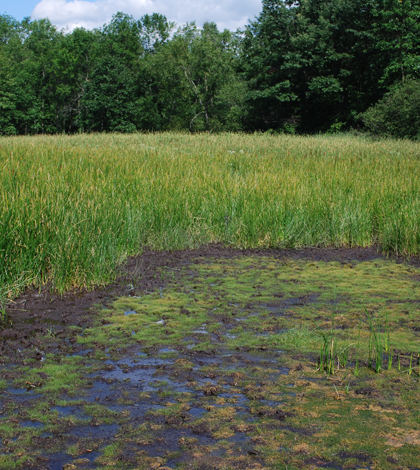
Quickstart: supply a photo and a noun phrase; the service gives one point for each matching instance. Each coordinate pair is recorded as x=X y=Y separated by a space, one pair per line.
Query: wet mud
x=209 y=359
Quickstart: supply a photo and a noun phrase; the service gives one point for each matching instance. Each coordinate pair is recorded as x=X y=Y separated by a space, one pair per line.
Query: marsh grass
x=375 y=345
x=73 y=208
x=334 y=355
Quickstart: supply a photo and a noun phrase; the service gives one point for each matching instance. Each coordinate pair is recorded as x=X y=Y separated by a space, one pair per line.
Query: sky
x=230 y=14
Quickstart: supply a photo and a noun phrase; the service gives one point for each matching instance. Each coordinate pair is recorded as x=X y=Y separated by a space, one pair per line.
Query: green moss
x=245 y=319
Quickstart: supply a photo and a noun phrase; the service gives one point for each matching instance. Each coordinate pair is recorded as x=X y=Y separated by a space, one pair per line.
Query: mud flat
x=213 y=359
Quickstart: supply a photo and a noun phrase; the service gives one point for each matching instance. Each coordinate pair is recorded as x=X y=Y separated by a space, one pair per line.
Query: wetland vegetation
x=209 y=359
x=174 y=299
x=253 y=353
x=72 y=208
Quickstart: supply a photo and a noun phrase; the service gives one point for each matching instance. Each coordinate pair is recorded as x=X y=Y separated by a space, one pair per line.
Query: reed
x=72 y=208
x=376 y=348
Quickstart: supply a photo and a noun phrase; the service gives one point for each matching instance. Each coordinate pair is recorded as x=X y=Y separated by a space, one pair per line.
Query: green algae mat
x=219 y=359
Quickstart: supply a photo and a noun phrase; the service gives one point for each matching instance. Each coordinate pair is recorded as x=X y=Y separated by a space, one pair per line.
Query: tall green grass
x=73 y=208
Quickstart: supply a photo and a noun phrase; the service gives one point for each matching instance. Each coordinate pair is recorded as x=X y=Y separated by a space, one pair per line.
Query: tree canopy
x=300 y=66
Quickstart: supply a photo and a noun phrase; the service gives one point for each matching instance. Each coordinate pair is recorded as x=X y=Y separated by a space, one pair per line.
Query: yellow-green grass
x=72 y=208
x=286 y=304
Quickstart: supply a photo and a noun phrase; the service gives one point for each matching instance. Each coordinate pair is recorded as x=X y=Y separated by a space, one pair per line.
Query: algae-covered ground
x=210 y=359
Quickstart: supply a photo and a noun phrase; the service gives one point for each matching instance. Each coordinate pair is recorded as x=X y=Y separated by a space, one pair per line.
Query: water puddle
x=239 y=438
x=59 y=460
x=201 y=330
x=103 y=431
x=197 y=412
x=149 y=373
x=67 y=411
x=230 y=336
x=167 y=350
x=130 y=312
x=158 y=397
x=279 y=308
x=20 y=395
x=82 y=352
x=27 y=423
x=99 y=391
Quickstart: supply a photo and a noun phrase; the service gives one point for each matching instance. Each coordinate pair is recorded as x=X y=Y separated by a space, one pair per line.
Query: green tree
x=397 y=114
x=191 y=82
x=209 y=74
x=316 y=64
x=73 y=60
x=37 y=77
x=113 y=95
x=397 y=29
x=270 y=65
x=7 y=96
x=108 y=103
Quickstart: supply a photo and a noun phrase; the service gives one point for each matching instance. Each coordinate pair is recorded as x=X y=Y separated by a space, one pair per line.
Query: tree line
x=301 y=66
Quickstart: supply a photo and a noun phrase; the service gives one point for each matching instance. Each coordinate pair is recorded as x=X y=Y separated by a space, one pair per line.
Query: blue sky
x=20 y=8
x=69 y=14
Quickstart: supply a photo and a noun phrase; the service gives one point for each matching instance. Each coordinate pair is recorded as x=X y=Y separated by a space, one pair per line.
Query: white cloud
x=231 y=14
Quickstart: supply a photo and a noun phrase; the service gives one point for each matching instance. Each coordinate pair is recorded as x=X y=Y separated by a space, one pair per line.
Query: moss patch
x=220 y=368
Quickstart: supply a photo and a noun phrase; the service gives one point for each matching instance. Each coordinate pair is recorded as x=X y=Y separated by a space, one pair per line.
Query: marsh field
x=209 y=302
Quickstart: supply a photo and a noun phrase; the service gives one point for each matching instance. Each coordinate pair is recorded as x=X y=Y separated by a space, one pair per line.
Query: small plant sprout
x=375 y=344
x=327 y=359
x=348 y=386
x=388 y=342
